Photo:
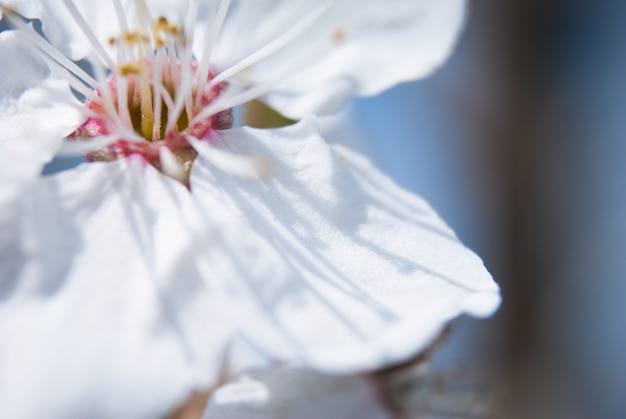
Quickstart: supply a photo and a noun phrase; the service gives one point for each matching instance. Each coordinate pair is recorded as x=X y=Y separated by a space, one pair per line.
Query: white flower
x=122 y=289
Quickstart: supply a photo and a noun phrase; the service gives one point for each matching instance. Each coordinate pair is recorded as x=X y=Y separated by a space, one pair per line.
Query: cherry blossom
x=187 y=251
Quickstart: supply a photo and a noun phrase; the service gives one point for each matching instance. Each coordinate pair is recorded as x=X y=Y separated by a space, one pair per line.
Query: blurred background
x=519 y=142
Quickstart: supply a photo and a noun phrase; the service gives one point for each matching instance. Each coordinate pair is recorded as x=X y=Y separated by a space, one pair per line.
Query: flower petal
x=36 y=109
x=370 y=273
x=16 y=171
x=354 y=47
x=102 y=310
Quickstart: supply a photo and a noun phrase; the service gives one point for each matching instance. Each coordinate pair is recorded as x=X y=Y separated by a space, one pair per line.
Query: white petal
x=102 y=310
x=370 y=273
x=16 y=171
x=295 y=394
x=356 y=47
x=36 y=109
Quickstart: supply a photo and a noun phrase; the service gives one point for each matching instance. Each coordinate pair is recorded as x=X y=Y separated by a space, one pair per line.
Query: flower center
x=152 y=103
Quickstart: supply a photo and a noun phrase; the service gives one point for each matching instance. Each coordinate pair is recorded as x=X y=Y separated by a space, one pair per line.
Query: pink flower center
x=153 y=104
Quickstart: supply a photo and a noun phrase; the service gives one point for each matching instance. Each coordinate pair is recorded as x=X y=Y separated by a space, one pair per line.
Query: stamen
x=143 y=15
x=209 y=42
x=74 y=82
x=187 y=57
x=51 y=51
x=182 y=92
x=149 y=98
x=121 y=15
x=188 y=92
x=159 y=87
x=105 y=93
x=73 y=148
x=32 y=78
x=273 y=46
x=157 y=74
x=123 y=24
x=173 y=61
x=84 y=26
x=223 y=102
x=122 y=100
x=190 y=23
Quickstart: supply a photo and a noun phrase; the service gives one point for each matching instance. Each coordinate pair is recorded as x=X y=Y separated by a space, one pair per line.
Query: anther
x=135 y=38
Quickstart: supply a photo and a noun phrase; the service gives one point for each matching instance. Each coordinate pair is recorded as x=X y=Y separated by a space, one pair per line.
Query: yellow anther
x=132 y=38
x=135 y=38
x=163 y=25
x=127 y=69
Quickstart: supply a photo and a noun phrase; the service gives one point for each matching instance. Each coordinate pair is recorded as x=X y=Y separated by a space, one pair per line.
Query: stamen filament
x=51 y=51
x=187 y=90
x=158 y=86
x=72 y=148
x=107 y=100
x=181 y=92
x=273 y=46
x=74 y=81
x=122 y=100
x=123 y=23
x=143 y=16
x=147 y=115
x=190 y=24
x=172 y=60
x=84 y=26
x=157 y=74
x=209 y=42
x=121 y=16
x=223 y=103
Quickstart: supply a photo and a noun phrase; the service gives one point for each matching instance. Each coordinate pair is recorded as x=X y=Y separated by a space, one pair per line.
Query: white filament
x=52 y=52
x=223 y=102
x=182 y=92
x=158 y=96
x=84 y=27
x=209 y=42
x=274 y=46
x=77 y=147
